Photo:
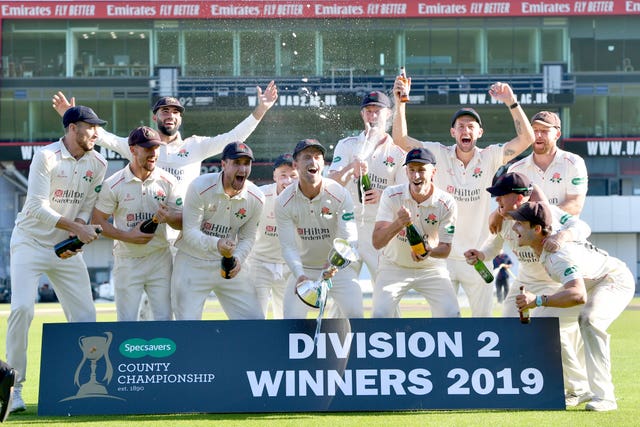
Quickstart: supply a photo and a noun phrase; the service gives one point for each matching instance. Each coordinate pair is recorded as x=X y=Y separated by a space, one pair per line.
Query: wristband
x=514 y=105
x=545 y=300
x=538 y=300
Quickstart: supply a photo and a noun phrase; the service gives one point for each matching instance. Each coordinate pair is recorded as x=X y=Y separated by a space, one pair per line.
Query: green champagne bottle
x=415 y=241
x=483 y=271
x=364 y=185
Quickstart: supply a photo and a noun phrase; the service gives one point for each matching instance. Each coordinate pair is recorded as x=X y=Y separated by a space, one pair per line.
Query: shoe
x=6 y=393
x=573 y=399
x=18 y=404
x=601 y=405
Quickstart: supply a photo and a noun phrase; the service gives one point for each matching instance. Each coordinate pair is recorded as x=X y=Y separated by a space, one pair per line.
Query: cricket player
x=267 y=269
x=181 y=157
x=220 y=219
x=433 y=213
x=310 y=214
x=374 y=153
x=143 y=261
x=601 y=284
x=464 y=170
x=512 y=190
x=64 y=180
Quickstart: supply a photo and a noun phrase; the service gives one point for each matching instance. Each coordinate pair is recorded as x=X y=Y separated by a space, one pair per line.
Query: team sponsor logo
x=183 y=153
x=242 y=213
x=450 y=229
x=348 y=216
x=98 y=188
x=431 y=219
x=88 y=176
x=389 y=161
x=217 y=230
x=556 y=178
x=477 y=173
x=579 y=180
x=135 y=348
x=179 y=201
x=336 y=159
x=67 y=196
x=160 y=196
x=570 y=270
x=564 y=218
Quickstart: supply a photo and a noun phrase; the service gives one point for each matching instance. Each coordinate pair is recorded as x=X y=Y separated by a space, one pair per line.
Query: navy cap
x=235 y=150
x=511 y=182
x=168 y=101
x=466 y=112
x=306 y=143
x=420 y=155
x=80 y=113
x=547 y=118
x=284 y=159
x=534 y=212
x=144 y=136
x=376 y=98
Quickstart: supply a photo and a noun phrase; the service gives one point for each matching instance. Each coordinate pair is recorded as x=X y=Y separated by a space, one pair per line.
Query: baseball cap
x=420 y=155
x=306 y=143
x=144 y=136
x=376 y=98
x=235 y=150
x=80 y=113
x=547 y=118
x=511 y=182
x=169 y=101
x=466 y=112
x=283 y=159
x=534 y=212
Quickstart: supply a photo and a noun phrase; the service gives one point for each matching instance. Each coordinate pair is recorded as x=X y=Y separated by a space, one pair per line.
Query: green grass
x=626 y=367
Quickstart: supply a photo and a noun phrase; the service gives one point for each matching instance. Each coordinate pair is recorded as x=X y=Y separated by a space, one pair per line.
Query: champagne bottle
x=364 y=185
x=70 y=244
x=403 y=75
x=524 y=314
x=150 y=226
x=482 y=269
x=415 y=241
x=226 y=265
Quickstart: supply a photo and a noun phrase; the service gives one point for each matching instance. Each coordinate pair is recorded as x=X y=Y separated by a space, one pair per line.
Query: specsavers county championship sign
x=273 y=366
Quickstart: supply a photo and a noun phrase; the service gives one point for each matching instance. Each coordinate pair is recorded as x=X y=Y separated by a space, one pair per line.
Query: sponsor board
x=273 y=366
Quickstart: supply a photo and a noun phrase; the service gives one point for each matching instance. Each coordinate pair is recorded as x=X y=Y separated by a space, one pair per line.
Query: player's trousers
x=479 y=293
x=270 y=280
x=134 y=276
x=574 y=370
x=432 y=283
x=70 y=280
x=192 y=281
x=606 y=300
x=345 y=292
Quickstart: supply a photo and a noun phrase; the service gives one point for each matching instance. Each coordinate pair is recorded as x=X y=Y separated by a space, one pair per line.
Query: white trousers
x=270 y=280
x=605 y=302
x=192 y=281
x=479 y=293
x=432 y=283
x=70 y=280
x=345 y=292
x=135 y=276
x=574 y=369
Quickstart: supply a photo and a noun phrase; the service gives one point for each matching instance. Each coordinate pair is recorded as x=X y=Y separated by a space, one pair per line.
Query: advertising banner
x=273 y=366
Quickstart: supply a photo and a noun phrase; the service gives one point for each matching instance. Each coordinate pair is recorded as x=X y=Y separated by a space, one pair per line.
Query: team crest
x=242 y=213
x=88 y=176
x=556 y=178
x=390 y=162
x=431 y=219
x=477 y=173
x=183 y=153
x=325 y=212
x=160 y=196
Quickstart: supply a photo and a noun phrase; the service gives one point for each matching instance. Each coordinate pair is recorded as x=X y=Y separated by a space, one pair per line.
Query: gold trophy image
x=94 y=349
x=314 y=293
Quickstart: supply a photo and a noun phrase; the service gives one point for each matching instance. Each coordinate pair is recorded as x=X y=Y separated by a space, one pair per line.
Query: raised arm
x=399 y=132
x=266 y=100
x=524 y=132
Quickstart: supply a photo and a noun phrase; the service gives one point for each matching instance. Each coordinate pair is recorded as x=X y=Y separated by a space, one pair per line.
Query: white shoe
x=601 y=405
x=573 y=399
x=18 y=404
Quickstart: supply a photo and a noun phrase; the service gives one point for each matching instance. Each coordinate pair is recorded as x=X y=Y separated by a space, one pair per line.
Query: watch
x=538 y=300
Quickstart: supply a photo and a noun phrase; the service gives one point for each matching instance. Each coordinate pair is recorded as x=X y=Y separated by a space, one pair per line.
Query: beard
x=163 y=130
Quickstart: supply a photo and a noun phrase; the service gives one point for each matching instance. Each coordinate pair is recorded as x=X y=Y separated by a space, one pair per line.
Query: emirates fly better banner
x=273 y=366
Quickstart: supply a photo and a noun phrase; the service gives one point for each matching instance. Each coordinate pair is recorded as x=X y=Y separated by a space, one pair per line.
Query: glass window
x=33 y=53
x=360 y=52
x=298 y=53
x=551 y=45
x=257 y=53
x=111 y=53
x=208 y=53
x=167 y=42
